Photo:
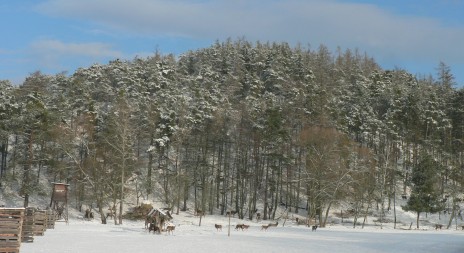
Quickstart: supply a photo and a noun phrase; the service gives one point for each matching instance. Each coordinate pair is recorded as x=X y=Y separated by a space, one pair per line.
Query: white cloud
x=52 y=53
x=393 y=39
x=313 y=21
x=83 y=49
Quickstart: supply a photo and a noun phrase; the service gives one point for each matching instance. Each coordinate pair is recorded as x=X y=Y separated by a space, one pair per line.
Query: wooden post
x=394 y=209
x=228 y=231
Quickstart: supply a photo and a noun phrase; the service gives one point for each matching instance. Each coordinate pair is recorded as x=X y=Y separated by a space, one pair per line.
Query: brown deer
x=147 y=221
x=265 y=227
x=170 y=229
x=245 y=227
x=154 y=228
x=199 y=212
x=302 y=222
x=218 y=227
x=273 y=224
x=239 y=226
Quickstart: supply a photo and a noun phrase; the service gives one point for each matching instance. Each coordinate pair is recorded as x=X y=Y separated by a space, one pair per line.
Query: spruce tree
x=424 y=194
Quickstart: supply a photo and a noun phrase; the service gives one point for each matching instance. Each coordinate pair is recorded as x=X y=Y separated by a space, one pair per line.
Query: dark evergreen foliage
x=425 y=194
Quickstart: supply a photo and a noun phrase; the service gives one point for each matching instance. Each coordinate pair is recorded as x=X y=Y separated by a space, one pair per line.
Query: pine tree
x=424 y=195
x=8 y=109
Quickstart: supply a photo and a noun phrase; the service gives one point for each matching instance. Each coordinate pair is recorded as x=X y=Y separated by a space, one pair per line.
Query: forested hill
x=237 y=126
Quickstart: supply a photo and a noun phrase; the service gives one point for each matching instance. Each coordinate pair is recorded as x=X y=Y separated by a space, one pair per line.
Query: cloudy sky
x=61 y=35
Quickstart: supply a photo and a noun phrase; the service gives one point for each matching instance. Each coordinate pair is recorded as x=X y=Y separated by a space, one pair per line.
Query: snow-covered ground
x=90 y=236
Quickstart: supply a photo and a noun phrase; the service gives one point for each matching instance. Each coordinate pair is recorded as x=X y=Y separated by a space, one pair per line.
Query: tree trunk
x=4 y=151
x=453 y=214
x=27 y=169
x=219 y=178
x=26 y=200
x=365 y=215
x=115 y=213
x=121 y=202
x=300 y=153
x=394 y=209
x=356 y=213
x=266 y=191
x=149 y=170
x=101 y=211
x=326 y=214
x=418 y=214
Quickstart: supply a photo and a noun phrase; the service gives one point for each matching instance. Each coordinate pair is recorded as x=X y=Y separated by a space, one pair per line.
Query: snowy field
x=90 y=236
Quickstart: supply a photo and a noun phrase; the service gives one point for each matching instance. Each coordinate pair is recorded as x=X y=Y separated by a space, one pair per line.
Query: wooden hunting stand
x=59 y=201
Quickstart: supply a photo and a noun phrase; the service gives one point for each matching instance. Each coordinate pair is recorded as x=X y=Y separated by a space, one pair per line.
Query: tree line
x=239 y=126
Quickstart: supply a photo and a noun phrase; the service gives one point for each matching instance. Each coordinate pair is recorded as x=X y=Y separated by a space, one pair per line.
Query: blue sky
x=61 y=35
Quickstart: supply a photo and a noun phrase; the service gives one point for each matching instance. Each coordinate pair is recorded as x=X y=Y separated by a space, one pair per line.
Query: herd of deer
x=266 y=226
x=245 y=227
x=170 y=227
